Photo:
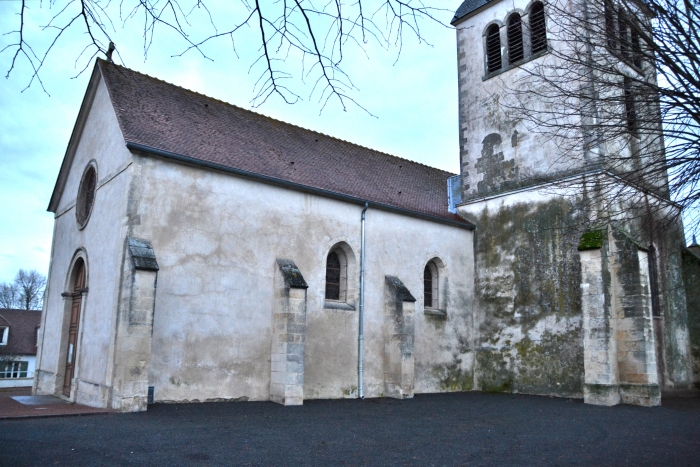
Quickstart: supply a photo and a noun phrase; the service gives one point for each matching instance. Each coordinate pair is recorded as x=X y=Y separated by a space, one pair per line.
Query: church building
x=203 y=252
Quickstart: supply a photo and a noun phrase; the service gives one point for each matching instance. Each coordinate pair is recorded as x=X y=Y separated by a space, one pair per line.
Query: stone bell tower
x=567 y=303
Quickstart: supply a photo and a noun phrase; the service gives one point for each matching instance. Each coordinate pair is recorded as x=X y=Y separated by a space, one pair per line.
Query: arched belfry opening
x=76 y=289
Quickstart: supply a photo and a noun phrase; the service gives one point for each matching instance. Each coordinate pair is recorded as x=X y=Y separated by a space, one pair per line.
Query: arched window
x=430 y=286
x=515 y=39
x=493 y=49
x=333 y=273
x=538 y=28
x=341 y=287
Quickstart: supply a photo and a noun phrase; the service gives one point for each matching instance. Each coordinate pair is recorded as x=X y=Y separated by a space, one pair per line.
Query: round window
x=86 y=196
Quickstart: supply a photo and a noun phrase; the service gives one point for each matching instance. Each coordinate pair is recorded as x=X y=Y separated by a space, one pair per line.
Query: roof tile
x=23 y=325
x=160 y=115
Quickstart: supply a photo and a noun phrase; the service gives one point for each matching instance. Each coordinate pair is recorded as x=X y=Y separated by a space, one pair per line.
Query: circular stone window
x=86 y=195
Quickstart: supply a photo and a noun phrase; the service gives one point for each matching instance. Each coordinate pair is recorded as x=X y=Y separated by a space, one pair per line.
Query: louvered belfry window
x=538 y=28
x=333 y=276
x=630 y=106
x=515 y=39
x=493 y=49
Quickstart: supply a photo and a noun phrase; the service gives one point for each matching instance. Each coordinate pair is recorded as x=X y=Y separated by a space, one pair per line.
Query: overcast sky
x=414 y=103
x=413 y=100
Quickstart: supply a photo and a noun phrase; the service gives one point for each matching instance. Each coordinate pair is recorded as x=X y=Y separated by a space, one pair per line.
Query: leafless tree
x=9 y=297
x=27 y=291
x=619 y=93
x=299 y=41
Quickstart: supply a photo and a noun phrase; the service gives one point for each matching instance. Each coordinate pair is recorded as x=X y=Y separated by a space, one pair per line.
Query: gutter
x=296 y=186
x=361 y=333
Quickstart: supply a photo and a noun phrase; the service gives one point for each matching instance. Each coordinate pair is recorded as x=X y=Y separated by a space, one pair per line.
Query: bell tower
x=565 y=300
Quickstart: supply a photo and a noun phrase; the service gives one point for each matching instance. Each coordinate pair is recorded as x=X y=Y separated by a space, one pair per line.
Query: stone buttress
x=618 y=338
x=288 y=335
x=399 y=331
x=132 y=357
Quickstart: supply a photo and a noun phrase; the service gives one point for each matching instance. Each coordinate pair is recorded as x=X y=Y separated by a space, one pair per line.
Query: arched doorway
x=76 y=295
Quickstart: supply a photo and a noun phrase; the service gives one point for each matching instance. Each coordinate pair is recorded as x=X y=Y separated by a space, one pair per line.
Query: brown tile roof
x=23 y=325
x=166 y=117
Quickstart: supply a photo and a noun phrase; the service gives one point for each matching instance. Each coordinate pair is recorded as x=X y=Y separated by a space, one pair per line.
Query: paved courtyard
x=429 y=430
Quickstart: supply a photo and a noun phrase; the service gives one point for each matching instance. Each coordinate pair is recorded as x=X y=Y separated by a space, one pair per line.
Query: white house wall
x=217 y=237
x=101 y=243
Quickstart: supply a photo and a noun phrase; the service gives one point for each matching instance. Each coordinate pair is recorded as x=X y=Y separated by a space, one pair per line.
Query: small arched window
x=538 y=28
x=515 y=39
x=333 y=274
x=493 y=49
x=430 y=286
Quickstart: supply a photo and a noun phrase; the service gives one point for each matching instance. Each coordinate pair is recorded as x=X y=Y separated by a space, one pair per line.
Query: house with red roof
x=19 y=330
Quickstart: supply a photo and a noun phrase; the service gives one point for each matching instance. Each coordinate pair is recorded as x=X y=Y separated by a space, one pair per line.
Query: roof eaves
x=462 y=223
x=469 y=8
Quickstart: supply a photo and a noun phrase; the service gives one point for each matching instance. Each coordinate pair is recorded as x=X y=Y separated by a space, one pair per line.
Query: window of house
x=86 y=195
x=515 y=39
x=13 y=369
x=430 y=286
x=4 y=334
x=493 y=49
x=538 y=28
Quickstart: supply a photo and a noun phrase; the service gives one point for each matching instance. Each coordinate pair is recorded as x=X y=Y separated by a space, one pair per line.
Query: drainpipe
x=361 y=334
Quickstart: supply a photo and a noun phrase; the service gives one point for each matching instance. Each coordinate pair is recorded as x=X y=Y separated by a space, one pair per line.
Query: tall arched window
x=493 y=49
x=515 y=38
x=333 y=276
x=538 y=28
x=430 y=286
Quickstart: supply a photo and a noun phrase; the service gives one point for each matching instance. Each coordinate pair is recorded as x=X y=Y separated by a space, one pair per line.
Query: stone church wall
x=498 y=151
x=101 y=244
x=527 y=295
x=218 y=237
x=691 y=276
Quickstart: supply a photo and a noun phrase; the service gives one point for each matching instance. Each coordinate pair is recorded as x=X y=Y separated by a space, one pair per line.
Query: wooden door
x=72 y=351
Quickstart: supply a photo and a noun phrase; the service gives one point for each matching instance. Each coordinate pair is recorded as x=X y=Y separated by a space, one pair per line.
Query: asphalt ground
x=429 y=430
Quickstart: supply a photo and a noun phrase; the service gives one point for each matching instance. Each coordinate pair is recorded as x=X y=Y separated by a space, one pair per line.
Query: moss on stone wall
x=691 y=277
x=591 y=240
x=452 y=377
x=528 y=295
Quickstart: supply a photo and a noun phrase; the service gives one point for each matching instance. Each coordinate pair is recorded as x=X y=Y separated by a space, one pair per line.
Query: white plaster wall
x=102 y=240
x=217 y=236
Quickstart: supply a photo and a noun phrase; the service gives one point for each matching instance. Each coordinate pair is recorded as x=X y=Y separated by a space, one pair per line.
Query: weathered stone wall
x=217 y=237
x=101 y=244
x=498 y=151
x=619 y=342
x=527 y=295
x=691 y=277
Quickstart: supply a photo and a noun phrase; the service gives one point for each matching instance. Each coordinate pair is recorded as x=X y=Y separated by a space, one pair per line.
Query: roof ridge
x=104 y=62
